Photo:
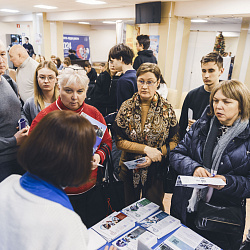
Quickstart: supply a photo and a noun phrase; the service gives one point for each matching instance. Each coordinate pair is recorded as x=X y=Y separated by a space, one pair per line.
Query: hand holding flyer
x=133 y=164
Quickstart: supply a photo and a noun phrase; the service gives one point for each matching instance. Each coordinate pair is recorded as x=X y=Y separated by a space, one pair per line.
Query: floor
x=167 y=203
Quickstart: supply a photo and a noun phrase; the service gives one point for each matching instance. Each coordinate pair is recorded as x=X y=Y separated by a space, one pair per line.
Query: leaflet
x=185 y=238
x=141 y=209
x=99 y=129
x=129 y=241
x=198 y=182
x=95 y=240
x=114 y=225
x=132 y=164
x=160 y=224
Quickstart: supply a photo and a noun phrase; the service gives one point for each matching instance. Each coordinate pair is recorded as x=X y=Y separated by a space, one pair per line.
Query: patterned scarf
x=160 y=118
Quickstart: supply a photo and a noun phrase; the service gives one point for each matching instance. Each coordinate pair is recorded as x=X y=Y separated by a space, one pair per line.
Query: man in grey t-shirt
x=10 y=113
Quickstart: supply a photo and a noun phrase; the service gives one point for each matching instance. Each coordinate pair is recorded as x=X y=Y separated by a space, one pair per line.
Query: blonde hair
x=235 y=90
x=73 y=74
x=38 y=93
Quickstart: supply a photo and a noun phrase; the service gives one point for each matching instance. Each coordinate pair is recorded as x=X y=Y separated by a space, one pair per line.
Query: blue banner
x=78 y=43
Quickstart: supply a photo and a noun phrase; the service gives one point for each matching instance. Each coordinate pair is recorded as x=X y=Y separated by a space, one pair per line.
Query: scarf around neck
x=44 y=189
x=160 y=118
x=213 y=151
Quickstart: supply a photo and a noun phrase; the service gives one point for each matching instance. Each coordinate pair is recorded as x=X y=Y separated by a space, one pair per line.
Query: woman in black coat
x=217 y=145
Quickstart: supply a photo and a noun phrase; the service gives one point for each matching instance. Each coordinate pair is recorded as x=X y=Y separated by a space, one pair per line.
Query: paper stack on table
x=198 y=182
x=185 y=238
x=114 y=225
x=141 y=209
x=129 y=241
x=95 y=240
x=160 y=224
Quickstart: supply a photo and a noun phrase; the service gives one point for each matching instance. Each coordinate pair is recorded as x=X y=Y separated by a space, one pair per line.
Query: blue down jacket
x=234 y=165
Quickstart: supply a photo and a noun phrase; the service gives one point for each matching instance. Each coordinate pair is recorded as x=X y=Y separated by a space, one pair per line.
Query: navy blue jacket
x=234 y=165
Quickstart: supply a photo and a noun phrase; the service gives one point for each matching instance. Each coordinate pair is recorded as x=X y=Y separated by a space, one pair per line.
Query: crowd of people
x=48 y=170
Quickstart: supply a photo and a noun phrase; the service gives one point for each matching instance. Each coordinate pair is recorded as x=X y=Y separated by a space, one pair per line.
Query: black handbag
x=169 y=174
x=106 y=197
x=228 y=220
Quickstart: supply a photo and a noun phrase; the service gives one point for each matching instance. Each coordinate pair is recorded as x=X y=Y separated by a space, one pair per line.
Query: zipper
x=204 y=222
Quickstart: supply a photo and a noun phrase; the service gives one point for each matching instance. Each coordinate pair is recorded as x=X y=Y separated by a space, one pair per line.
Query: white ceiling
x=67 y=10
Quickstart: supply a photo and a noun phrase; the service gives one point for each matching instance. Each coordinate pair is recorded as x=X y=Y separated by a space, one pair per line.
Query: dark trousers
x=9 y=168
x=88 y=206
x=153 y=192
x=222 y=240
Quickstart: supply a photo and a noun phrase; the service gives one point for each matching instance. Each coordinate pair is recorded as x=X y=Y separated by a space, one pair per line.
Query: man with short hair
x=28 y=47
x=197 y=99
x=144 y=54
x=10 y=113
x=25 y=72
x=72 y=55
x=120 y=56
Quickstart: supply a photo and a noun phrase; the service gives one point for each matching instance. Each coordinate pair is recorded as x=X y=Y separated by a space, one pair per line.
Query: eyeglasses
x=75 y=69
x=48 y=78
x=148 y=83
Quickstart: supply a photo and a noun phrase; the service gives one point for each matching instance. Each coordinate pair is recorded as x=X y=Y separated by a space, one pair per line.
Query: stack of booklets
x=160 y=224
x=141 y=209
x=129 y=241
x=114 y=225
x=185 y=238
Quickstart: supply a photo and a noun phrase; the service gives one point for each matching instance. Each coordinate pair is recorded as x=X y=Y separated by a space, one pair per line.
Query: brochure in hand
x=160 y=224
x=198 y=182
x=99 y=129
x=114 y=225
x=132 y=164
x=185 y=238
x=129 y=241
x=141 y=209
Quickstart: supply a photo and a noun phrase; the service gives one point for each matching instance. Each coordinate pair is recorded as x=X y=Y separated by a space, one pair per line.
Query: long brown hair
x=38 y=93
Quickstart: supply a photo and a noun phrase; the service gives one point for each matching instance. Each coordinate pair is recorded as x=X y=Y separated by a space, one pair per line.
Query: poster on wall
x=78 y=43
x=154 y=45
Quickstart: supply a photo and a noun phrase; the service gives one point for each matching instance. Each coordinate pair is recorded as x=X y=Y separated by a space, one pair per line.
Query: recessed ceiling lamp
x=91 y=1
x=10 y=11
x=109 y=22
x=45 y=7
x=198 y=21
x=83 y=22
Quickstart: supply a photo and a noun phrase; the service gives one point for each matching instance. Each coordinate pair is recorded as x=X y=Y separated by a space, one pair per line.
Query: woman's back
x=31 y=222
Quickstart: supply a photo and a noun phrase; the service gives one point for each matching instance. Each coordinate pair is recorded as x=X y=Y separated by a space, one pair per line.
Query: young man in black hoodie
x=144 y=54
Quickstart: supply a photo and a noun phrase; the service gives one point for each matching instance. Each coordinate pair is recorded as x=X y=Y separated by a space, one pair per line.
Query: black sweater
x=197 y=100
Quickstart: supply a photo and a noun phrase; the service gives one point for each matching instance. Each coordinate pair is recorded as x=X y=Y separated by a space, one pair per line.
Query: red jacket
x=104 y=148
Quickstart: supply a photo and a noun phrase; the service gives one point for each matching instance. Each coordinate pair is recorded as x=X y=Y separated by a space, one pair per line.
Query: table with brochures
x=142 y=225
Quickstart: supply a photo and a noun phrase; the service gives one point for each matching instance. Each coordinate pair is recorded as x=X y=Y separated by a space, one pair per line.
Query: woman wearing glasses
x=45 y=90
x=73 y=85
x=145 y=126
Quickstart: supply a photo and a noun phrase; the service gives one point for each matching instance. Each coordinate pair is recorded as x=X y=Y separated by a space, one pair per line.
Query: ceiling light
x=198 y=21
x=91 y=1
x=10 y=11
x=45 y=7
x=109 y=22
x=84 y=22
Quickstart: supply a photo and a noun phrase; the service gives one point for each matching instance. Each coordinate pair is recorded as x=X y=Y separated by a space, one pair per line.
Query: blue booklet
x=99 y=127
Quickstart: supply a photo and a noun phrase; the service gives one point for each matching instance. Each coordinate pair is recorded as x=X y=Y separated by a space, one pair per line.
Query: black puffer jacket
x=234 y=165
